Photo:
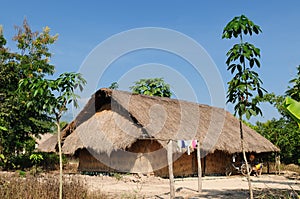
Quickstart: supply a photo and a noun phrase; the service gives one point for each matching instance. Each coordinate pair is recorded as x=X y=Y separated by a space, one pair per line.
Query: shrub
x=50 y=161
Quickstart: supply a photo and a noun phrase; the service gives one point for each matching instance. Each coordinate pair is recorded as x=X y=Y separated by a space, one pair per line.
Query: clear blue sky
x=82 y=25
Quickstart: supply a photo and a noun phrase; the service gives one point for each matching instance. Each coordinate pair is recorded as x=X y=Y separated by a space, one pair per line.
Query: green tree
x=241 y=59
x=54 y=96
x=283 y=134
x=114 y=85
x=293 y=109
x=29 y=101
x=275 y=100
x=17 y=123
x=152 y=87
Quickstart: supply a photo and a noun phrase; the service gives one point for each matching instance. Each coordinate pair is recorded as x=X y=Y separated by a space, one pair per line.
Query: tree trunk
x=170 y=165
x=245 y=159
x=199 y=167
x=60 y=160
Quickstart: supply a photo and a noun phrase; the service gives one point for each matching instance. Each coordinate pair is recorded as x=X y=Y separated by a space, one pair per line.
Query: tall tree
x=241 y=59
x=152 y=87
x=52 y=97
x=49 y=96
x=30 y=60
x=30 y=101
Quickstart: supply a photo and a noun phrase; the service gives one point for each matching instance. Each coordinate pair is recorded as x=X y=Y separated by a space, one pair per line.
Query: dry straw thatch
x=114 y=120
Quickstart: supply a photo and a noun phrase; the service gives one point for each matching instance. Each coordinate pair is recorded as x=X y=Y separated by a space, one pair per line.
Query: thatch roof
x=48 y=145
x=41 y=138
x=114 y=120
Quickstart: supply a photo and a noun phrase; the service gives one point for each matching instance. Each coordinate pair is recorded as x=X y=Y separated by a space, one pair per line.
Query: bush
x=21 y=161
x=50 y=161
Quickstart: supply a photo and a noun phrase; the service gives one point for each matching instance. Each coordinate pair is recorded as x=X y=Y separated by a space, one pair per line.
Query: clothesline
x=164 y=139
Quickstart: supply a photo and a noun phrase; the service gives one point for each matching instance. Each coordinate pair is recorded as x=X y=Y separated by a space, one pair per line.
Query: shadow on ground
x=231 y=194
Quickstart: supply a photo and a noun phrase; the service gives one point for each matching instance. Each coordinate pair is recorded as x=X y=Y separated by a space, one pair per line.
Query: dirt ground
x=137 y=186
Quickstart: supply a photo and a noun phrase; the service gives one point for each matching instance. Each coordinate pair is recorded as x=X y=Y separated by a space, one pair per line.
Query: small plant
x=3 y=160
x=118 y=176
x=139 y=187
x=35 y=158
x=21 y=173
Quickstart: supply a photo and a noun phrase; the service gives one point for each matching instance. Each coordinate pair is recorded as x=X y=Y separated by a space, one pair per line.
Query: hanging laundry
x=194 y=144
x=179 y=145
x=186 y=144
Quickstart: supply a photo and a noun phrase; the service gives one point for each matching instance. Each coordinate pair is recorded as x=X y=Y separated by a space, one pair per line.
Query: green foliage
x=239 y=25
x=275 y=100
x=52 y=96
x=114 y=85
x=293 y=109
x=292 y=100
x=21 y=173
x=118 y=176
x=284 y=134
x=294 y=91
x=241 y=59
x=31 y=60
x=50 y=161
x=29 y=102
x=152 y=87
x=36 y=158
x=3 y=161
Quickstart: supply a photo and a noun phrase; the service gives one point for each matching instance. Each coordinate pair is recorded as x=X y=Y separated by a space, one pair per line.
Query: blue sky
x=82 y=25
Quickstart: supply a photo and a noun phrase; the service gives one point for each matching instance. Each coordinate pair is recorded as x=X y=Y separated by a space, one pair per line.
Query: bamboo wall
x=216 y=163
x=142 y=157
x=184 y=165
x=148 y=156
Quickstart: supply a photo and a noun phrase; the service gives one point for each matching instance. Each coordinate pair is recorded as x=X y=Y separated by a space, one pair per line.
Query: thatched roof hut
x=121 y=118
x=114 y=120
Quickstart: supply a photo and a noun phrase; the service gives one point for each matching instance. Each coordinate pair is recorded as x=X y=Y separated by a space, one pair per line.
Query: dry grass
x=276 y=194
x=14 y=186
x=291 y=167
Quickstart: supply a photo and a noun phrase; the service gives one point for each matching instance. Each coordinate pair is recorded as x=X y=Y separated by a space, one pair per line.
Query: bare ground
x=137 y=186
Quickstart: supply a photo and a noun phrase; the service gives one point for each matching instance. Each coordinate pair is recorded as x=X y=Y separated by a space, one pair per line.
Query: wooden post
x=170 y=165
x=277 y=164
x=204 y=165
x=199 y=168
